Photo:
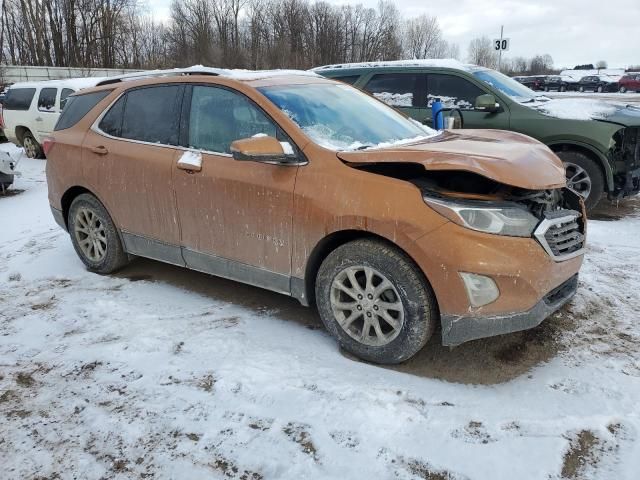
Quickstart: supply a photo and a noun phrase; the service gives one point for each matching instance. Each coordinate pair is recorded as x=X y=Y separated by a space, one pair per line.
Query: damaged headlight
x=494 y=218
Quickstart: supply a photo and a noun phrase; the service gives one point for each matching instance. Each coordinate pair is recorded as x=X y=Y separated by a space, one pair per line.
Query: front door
x=130 y=160
x=235 y=216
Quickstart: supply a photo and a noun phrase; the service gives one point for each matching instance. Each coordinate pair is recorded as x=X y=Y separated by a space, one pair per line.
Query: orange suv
x=311 y=188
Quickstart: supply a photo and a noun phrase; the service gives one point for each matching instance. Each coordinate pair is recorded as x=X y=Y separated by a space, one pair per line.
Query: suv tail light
x=47 y=144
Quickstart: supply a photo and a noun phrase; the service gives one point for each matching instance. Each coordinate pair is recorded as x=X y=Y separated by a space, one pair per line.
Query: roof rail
x=160 y=73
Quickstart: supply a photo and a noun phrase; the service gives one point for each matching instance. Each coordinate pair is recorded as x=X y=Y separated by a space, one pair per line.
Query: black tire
x=592 y=169
x=581 y=89
x=31 y=146
x=413 y=291
x=563 y=88
x=623 y=89
x=114 y=256
x=600 y=89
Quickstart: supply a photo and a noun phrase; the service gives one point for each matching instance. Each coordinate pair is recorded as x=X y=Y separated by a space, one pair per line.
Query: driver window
x=452 y=91
x=219 y=116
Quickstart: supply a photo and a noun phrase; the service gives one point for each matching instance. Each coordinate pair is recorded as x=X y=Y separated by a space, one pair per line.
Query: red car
x=629 y=83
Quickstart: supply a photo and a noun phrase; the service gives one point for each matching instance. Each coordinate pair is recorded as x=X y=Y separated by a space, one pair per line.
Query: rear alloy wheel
x=31 y=147
x=583 y=176
x=94 y=236
x=623 y=89
x=375 y=301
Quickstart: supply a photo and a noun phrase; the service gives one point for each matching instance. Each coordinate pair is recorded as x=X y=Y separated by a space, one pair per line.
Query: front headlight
x=498 y=219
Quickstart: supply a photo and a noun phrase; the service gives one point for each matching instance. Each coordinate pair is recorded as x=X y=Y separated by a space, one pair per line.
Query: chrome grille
x=561 y=234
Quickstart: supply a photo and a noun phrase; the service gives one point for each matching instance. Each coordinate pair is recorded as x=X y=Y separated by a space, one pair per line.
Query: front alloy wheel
x=578 y=179
x=367 y=306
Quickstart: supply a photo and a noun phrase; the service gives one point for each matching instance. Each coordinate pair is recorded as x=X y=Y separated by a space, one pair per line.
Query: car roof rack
x=161 y=73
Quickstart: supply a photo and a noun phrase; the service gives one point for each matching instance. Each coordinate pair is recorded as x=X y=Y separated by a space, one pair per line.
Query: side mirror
x=263 y=149
x=487 y=103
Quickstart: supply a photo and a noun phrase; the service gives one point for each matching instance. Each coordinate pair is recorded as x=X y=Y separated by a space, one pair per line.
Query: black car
x=595 y=83
x=555 y=83
x=534 y=83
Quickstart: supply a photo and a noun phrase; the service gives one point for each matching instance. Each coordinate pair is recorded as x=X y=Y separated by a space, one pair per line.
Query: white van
x=31 y=110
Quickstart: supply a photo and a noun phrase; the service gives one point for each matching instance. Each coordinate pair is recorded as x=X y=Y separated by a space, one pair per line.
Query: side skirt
x=214 y=265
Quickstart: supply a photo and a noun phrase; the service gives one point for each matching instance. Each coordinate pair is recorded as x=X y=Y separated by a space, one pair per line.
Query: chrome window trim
x=545 y=225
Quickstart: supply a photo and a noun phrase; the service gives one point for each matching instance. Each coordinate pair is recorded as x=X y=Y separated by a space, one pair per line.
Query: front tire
x=600 y=89
x=584 y=176
x=375 y=301
x=94 y=235
x=581 y=89
x=623 y=89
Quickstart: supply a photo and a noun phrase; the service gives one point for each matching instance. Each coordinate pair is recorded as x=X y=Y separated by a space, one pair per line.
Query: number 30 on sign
x=501 y=44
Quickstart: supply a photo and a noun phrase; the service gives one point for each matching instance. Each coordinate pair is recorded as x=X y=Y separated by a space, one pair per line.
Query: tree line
x=253 y=34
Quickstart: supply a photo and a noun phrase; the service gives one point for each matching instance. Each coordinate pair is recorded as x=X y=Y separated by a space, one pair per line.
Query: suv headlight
x=494 y=218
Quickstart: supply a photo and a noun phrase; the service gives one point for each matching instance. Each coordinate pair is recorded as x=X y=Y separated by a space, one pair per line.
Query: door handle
x=100 y=150
x=38 y=119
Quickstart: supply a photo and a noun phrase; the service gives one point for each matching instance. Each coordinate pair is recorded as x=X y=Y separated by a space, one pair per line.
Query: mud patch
x=298 y=433
x=582 y=454
x=231 y=470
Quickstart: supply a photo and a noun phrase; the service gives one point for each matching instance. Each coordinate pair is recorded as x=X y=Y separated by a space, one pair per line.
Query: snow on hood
x=442 y=63
x=576 y=108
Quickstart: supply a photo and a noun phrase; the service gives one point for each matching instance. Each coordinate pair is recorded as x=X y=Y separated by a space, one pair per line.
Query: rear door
x=131 y=155
x=456 y=91
x=235 y=216
x=48 y=113
x=402 y=90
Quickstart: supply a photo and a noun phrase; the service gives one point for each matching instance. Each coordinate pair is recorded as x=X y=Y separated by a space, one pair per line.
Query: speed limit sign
x=501 y=44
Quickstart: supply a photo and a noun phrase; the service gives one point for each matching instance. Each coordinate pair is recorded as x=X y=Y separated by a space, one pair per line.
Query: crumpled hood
x=506 y=157
x=629 y=116
x=588 y=109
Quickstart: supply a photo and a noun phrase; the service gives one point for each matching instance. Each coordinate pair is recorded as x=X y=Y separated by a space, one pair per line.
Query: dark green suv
x=598 y=142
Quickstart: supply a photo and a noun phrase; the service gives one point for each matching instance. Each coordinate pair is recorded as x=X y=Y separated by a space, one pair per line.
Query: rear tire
x=623 y=89
x=94 y=235
x=389 y=287
x=584 y=176
x=31 y=146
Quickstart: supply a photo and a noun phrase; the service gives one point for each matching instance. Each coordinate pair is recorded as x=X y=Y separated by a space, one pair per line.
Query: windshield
x=506 y=85
x=340 y=117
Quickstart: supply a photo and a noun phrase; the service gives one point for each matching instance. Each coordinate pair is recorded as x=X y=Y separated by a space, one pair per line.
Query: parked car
x=31 y=110
x=629 y=83
x=596 y=83
x=600 y=154
x=555 y=83
x=534 y=83
x=311 y=188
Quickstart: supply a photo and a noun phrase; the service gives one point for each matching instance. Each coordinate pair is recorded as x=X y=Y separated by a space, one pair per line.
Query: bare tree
x=481 y=53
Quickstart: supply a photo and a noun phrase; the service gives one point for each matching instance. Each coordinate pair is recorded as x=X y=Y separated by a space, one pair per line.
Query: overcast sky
x=571 y=31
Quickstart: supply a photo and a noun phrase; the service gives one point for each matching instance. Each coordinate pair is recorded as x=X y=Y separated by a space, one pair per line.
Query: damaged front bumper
x=457 y=329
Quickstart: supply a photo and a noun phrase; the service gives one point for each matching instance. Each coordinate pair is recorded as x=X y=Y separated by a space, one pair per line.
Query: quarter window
x=77 y=107
x=111 y=123
x=453 y=91
x=63 y=96
x=219 y=116
x=47 y=100
x=398 y=89
x=19 y=98
x=151 y=114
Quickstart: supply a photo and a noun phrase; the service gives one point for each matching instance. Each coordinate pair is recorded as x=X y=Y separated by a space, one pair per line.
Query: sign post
x=501 y=44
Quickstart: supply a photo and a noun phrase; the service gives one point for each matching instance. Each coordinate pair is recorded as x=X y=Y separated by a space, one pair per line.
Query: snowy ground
x=160 y=372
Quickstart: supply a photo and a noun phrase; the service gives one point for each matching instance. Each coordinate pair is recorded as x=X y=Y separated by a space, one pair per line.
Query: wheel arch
x=327 y=245
x=20 y=132
x=591 y=152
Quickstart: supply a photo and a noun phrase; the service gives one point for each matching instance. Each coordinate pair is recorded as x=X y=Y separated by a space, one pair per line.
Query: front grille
x=561 y=234
x=562 y=292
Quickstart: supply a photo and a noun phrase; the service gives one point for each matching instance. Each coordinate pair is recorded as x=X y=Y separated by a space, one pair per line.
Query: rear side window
x=398 y=89
x=63 y=96
x=47 y=99
x=19 y=98
x=350 y=79
x=151 y=114
x=77 y=107
x=453 y=91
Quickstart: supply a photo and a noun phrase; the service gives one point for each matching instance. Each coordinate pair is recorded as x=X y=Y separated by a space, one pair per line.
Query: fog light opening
x=481 y=290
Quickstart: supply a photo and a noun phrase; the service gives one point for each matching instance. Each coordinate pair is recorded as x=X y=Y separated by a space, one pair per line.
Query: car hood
x=506 y=157
x=588 y=109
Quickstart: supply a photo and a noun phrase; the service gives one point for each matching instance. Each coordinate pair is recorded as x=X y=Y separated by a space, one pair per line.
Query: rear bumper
x=459 y=329
x=59 y=218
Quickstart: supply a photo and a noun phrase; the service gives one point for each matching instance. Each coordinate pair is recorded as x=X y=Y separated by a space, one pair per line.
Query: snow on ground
x=159 y=372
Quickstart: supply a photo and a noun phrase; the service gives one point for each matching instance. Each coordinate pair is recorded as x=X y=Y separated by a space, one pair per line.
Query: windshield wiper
x=364 y=147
